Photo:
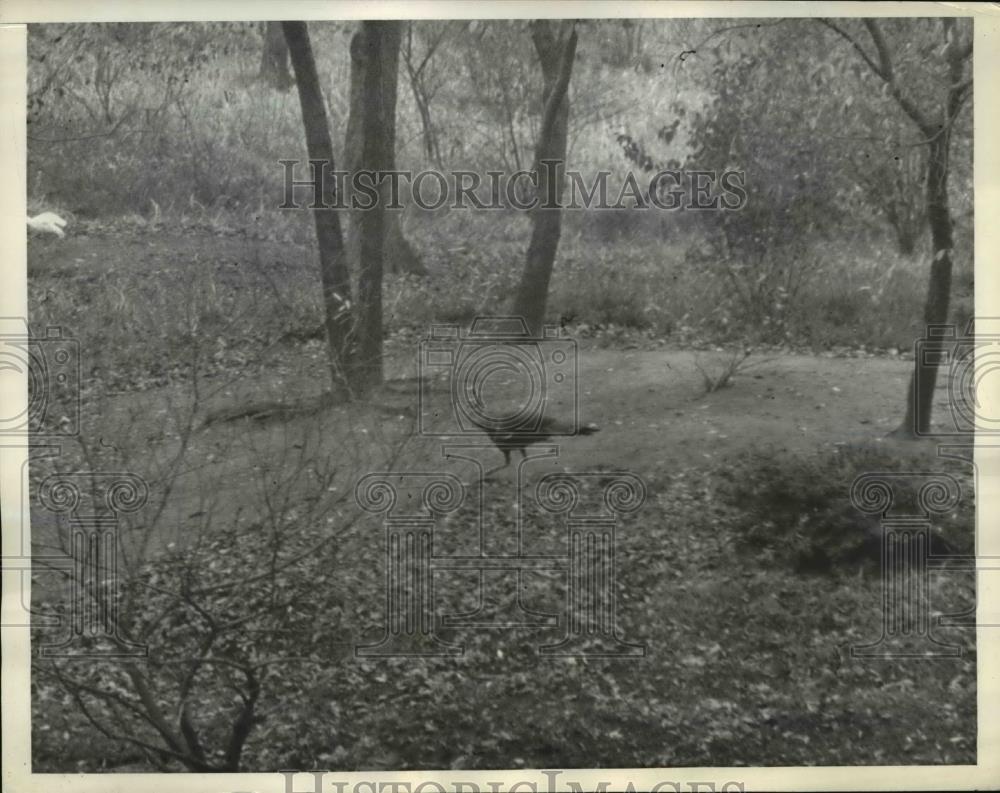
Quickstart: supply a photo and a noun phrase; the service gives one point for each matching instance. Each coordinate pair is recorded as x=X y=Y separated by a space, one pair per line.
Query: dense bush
x=799 y=507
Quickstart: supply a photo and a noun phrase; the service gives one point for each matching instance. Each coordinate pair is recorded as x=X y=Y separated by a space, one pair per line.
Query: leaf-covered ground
x=746 y=661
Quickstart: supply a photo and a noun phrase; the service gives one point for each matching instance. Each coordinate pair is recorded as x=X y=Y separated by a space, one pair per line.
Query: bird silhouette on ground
x=529 y=433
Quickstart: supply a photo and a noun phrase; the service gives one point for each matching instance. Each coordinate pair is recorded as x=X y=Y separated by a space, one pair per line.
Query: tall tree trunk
x=333 y=269
x=920 y=396
x=936 y=127
x=274 y=60
x=375 y=52
x=556 y=56
x=399 y=255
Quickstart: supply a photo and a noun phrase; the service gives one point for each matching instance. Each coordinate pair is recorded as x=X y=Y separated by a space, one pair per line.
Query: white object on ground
x=47 y=223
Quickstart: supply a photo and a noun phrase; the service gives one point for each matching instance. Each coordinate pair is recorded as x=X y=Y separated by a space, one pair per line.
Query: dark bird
x=507 y=440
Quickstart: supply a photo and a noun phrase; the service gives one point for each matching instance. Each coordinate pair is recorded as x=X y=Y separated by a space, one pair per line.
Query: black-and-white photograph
x=494 y=394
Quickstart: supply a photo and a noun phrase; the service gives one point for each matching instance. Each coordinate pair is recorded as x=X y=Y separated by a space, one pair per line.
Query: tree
x=421 y=85
x=375 y=58
x=333 y=268
x=753 y=124
x=556 y=49
x=399 y=255
x=934 y=118
x=355 y=336
x=497 y=94
x=274 y=58
x=894 y=185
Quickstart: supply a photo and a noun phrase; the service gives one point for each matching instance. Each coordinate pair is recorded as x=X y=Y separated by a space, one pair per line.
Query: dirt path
x=656 y=411
x=655 y=415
